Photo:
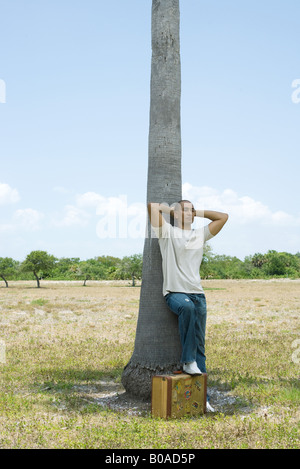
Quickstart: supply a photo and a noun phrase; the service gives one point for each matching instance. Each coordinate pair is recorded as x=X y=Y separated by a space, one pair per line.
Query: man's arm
x=218 y=219
x=155 y=213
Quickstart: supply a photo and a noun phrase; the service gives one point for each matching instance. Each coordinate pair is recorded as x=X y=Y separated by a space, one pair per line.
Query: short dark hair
x=184 y=200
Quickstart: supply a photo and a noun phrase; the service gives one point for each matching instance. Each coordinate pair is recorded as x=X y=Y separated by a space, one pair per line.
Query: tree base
x=137 y=377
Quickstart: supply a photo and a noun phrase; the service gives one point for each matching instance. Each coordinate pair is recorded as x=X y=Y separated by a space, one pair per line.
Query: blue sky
x=74 y=121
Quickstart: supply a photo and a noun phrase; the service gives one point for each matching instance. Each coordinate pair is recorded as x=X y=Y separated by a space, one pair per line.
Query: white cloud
x=281 y=217
x=113 y=217
x=22 y=220
x=120 y=224
x=73 y=216
x=27 y=219
x=115 y=220
x=90 y=199
x=241 y=209
x=8 y=195
x=104 y=205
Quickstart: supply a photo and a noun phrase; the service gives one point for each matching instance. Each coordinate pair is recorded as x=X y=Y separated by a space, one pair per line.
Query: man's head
x=184 y=214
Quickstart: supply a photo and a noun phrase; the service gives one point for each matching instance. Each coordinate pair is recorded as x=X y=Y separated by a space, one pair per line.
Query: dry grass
x=66 y=345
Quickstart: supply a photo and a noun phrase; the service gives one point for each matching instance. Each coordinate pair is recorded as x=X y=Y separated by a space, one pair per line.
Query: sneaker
x=209 y=408
x=191 y=368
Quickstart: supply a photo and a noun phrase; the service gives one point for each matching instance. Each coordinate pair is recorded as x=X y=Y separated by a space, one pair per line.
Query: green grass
x=49 y=364
x=39 y=302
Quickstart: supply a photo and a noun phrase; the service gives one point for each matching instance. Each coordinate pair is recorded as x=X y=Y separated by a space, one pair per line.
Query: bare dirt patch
x=115 y=398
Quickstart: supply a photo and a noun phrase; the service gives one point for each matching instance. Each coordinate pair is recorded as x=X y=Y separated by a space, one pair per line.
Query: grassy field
x=63 y=348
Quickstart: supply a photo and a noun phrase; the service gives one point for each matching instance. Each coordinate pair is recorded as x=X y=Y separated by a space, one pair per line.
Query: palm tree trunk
x=157 y=344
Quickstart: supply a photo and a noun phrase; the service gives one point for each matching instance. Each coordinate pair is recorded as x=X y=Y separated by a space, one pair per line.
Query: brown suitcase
x=178 y=395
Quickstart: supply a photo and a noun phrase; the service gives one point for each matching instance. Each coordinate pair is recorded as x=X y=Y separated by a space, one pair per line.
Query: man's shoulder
x=164 y=231
x=204 y=233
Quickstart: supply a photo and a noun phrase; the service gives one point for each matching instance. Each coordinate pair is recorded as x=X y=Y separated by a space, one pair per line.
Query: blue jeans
x=191 y=311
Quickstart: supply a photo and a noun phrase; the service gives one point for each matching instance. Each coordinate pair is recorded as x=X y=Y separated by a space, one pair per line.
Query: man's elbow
x=224 y=218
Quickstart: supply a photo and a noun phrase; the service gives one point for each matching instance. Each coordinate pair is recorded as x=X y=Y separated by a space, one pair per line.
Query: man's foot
x=209 y=408
x=191 y=368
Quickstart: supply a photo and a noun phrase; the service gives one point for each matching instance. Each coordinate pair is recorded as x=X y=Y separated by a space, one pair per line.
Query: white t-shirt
x=182 y=252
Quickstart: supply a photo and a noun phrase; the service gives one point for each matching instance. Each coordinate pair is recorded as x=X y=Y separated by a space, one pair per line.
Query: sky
x=74 y=123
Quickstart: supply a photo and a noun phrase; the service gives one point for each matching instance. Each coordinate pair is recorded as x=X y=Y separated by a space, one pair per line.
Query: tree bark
x=157 y=345
x=6 y=283
x=37 y=279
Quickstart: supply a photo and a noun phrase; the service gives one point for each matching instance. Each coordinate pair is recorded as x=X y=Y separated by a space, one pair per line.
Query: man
x=182 y=251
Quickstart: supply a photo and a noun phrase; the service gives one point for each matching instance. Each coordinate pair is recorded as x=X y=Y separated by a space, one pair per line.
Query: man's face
x=185 y=213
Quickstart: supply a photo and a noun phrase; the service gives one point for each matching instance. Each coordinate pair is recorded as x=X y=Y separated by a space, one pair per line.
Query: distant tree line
x=269 y=265
x=40 y=265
